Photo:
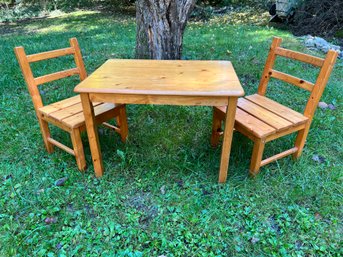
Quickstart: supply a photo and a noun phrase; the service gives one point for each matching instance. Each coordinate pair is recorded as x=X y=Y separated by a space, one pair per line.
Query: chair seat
x=263 y=117
x=69 y=111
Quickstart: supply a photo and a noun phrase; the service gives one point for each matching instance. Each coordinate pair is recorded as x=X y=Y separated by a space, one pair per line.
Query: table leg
x=92 y=133
x=227 y=138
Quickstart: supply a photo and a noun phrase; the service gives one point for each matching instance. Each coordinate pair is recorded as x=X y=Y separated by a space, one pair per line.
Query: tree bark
x=160 y=27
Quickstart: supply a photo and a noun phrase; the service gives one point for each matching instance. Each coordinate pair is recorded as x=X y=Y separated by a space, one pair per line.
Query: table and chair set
x=103 y=96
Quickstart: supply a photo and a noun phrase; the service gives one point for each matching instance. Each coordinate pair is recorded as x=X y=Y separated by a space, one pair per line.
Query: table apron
x=159 y=99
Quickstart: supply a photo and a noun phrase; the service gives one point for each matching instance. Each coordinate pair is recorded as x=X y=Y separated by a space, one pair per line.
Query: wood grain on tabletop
x=156 y=77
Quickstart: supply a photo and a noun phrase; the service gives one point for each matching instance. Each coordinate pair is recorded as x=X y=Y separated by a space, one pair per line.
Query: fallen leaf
x=323 y=105
x=101 y=131
x=318 y=216
x=228 y=52
x=61 y=181
x=254 y=240
x=8 y=177
x=255 y=61
x=318 y=158
x=50 y=220
x=180 y=183
x=40 y=191
x=205 y=192
x=332 y=107
x=163 y=190
x=70 y=207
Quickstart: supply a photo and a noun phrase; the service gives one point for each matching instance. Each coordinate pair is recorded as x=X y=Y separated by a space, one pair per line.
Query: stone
x=322 y=45
x=61 y=181
x=323 y=105
x=318 y=41
x=331 y=107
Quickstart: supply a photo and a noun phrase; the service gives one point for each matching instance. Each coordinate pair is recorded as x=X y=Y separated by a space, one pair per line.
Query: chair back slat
x=55 y=76
x=316 y=61
x=33 y=83
x=292 y=80
x=50 y=54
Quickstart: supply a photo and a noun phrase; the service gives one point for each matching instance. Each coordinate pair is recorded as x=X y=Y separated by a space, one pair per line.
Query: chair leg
x=300 y=141
x=216 y=126
x=122 y=123
x=44 y=127
x=256 y=157
x=75 y=135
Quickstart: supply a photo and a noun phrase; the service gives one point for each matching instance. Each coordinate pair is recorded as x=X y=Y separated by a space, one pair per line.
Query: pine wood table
x=207 y=83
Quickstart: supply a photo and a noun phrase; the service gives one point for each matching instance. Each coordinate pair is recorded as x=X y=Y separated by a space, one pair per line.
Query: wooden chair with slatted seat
x=262 y=119
x=67 y=114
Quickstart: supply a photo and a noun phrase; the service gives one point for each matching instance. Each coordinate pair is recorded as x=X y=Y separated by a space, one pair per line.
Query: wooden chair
x=66 y=114
x=262 y=119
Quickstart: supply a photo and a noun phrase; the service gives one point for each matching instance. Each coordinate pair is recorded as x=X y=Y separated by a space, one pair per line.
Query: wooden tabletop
x=163 y=77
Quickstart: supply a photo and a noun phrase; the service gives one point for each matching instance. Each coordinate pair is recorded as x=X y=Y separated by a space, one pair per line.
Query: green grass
x=290 y=209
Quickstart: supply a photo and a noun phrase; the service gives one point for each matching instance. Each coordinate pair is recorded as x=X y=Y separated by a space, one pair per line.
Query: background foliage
x=71 y=4
x=319 y=17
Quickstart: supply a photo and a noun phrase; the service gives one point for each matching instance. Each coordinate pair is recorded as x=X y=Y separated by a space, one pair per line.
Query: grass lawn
x=159 y=194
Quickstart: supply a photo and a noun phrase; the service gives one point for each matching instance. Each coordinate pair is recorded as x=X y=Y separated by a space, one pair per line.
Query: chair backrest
x=316 y=89
x=33 y=83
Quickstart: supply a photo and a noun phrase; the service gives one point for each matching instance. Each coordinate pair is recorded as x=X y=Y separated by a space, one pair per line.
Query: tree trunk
x=43 y=4
x=160 y=27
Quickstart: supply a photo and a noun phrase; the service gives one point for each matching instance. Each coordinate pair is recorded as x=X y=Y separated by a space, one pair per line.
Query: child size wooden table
x=166 y=82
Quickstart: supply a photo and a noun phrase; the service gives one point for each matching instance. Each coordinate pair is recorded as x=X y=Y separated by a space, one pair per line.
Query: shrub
x=318 y=17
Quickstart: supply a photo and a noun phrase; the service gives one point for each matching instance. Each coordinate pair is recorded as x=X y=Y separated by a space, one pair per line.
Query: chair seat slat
x=279 y=109
x=264 y=115
x=47 y=109
x=250 y=123
x=78 y=119
x=253 y=125
x=64 y=109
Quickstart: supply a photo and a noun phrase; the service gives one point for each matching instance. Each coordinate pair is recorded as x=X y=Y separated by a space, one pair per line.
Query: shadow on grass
x=75 y=21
